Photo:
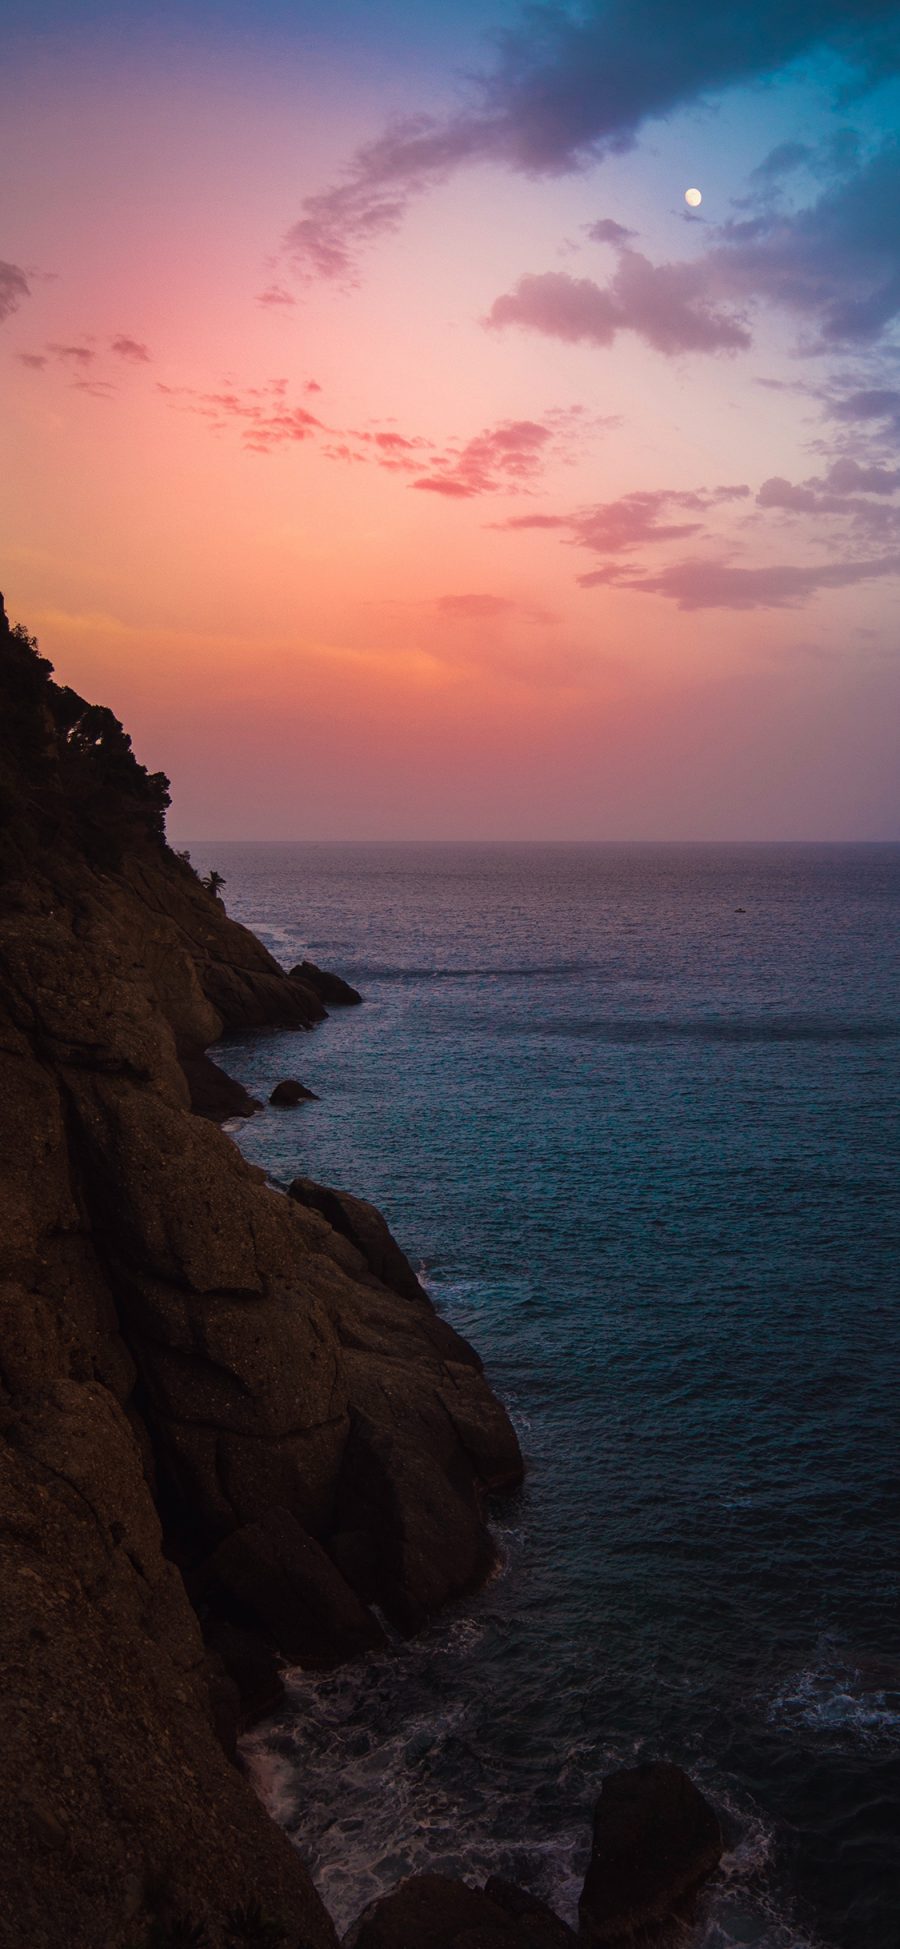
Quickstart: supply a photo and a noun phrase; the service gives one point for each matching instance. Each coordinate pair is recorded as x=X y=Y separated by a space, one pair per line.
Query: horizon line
x=405 y=839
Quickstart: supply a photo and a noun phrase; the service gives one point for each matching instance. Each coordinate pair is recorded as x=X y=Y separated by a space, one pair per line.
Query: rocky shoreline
x=232 y=1427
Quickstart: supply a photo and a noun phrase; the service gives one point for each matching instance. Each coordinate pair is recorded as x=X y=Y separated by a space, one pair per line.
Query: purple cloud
x=846 y=476
x=14 y=287
x=869 y=403
x=722 y=585
x=780 y=493
x=665 y=304
x=855 y=494
x=619 y=527
x=835 y=262
x=607 y=231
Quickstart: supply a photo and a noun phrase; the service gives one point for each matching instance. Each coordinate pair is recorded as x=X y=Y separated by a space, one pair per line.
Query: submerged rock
x=331 y=989
x=656 y=1838
x=286 y=1094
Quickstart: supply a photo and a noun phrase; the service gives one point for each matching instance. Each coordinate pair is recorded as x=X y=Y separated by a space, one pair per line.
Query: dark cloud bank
x=572 y=84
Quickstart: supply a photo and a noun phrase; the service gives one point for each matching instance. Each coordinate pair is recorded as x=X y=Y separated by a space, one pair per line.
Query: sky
x=394 y=449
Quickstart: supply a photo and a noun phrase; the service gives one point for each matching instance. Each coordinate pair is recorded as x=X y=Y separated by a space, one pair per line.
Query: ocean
x=633 y=1112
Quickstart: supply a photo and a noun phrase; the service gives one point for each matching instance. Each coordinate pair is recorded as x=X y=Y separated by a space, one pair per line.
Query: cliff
x=231 y=1422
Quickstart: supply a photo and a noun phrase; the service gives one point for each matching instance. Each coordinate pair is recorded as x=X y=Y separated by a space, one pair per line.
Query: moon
x=693 y=198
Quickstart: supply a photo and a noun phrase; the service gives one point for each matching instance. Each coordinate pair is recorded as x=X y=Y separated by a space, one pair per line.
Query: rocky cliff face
x=230 y=1421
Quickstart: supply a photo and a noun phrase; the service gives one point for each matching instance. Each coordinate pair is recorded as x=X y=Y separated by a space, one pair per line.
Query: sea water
x=633 y=1112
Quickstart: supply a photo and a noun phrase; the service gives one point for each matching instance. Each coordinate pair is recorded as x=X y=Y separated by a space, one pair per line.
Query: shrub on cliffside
x=68 y=773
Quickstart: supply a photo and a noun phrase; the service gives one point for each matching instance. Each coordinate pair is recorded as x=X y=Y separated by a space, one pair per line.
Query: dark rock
x=286 y=1094
x=428 y=1537
x=540 y=1927
x=330 y=988
x=103 y=1649
x=224 y=1704
x=214 y=1094
x=655 y=1840
x=282 y=1579
x=365 y=1227
x=252 y=1663
x=434 y=1912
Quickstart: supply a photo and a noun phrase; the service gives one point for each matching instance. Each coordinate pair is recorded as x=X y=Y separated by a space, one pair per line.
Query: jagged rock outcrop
x=201 y=1380
x=365 y=1227
x=331 y=988
x=215 y=1094
x=656 y=1839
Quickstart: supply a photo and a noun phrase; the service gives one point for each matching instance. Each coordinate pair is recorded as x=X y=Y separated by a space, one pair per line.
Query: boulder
x=540 y=1928
x=286 y=1094
x=215 y=1094
x=429 y=1538
x=329 y=988
x=655 y=1840
x=279 y=1577
x=252 y=1664
x=434 y=1912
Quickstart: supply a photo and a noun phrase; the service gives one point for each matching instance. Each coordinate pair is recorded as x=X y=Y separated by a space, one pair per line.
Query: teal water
x=634 y=1111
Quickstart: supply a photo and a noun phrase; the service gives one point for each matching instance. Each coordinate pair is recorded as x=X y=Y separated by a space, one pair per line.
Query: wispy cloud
x=480 y=609
x=80 y=357
x=727 y=585
x=511 y=454
x=275 y=295
x=130 y=348
x=266 y=418
x=634 y=520
x=781 y=162
x=73 y=355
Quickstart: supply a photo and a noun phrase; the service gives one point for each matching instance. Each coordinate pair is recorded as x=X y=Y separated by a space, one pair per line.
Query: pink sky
x=506 y=529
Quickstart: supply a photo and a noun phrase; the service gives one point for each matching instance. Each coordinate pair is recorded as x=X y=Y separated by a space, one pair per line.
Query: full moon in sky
x=693 y=198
